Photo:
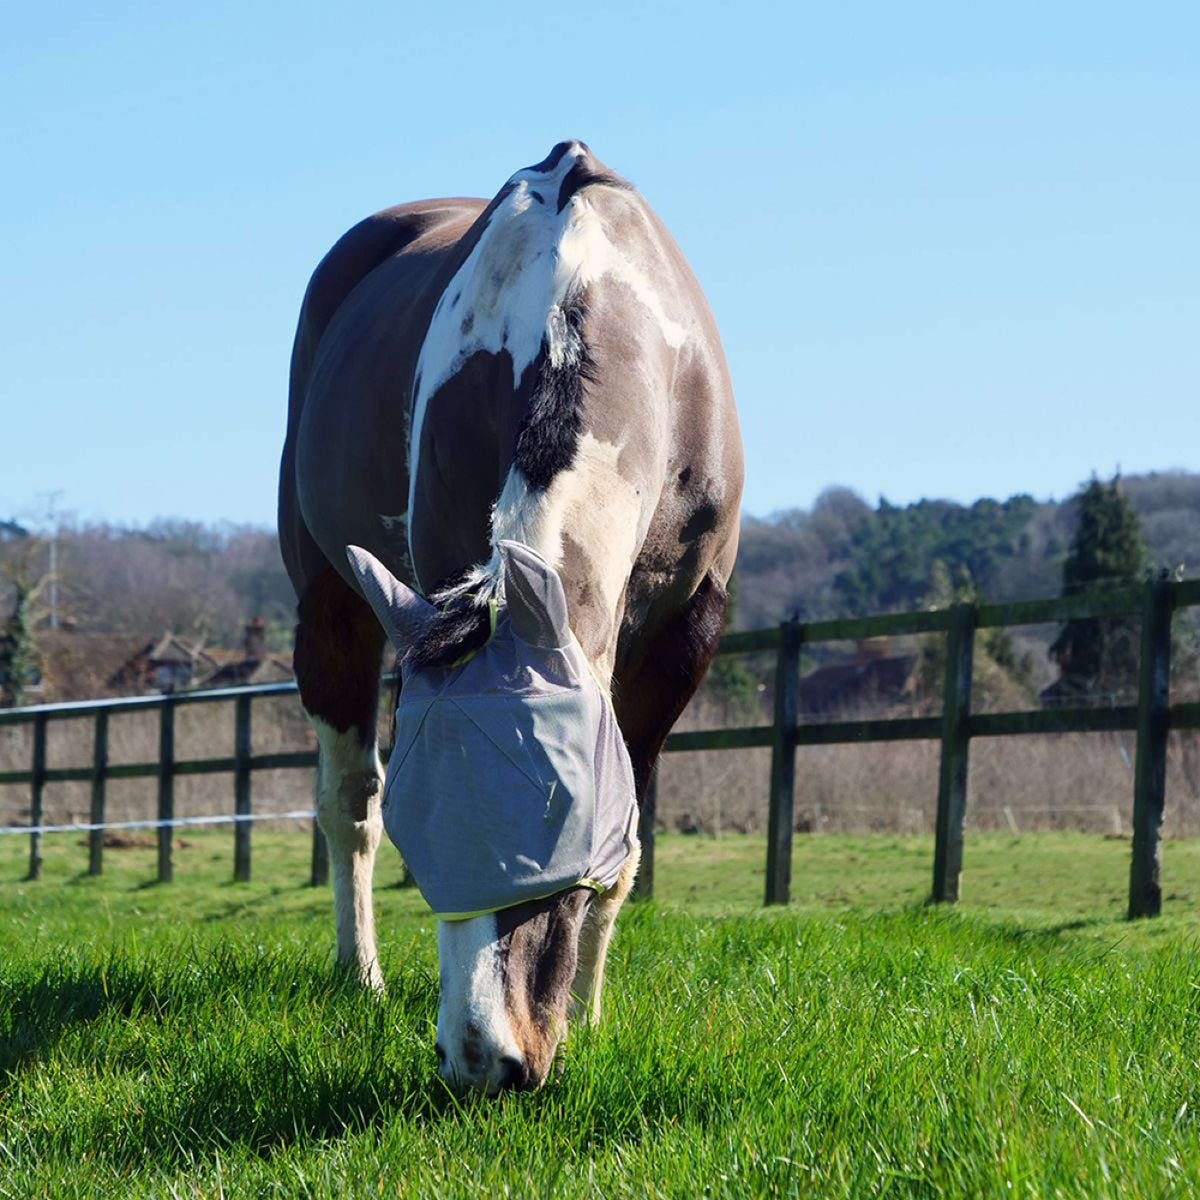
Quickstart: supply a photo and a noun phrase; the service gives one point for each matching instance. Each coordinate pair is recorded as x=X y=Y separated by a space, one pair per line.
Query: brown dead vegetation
x=1073 y=781
x=1037 y=782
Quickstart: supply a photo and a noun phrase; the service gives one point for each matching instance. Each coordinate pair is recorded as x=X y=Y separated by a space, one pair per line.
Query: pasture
x=192 y=1040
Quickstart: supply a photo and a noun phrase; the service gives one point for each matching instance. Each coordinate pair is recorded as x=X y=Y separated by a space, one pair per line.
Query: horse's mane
x=461 y=627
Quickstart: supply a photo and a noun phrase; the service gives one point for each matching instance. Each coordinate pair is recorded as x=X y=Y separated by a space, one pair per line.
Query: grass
x=191 y=1039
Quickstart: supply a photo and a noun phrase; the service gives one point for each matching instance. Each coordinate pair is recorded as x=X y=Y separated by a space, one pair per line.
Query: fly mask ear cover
x=509 y=780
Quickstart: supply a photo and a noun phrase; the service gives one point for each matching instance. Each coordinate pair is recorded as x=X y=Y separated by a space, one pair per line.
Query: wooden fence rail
x=166 y=769
x=1153 y=717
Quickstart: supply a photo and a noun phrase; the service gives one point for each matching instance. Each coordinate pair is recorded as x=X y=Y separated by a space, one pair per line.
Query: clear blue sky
x=952 y=248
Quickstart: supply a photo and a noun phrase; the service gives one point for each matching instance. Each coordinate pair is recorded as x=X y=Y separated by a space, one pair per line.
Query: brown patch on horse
x=339 y=645
x=540 y=941
x=650 y=698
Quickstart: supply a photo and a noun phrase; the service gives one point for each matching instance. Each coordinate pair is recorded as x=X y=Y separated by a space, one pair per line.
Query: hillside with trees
x=844 y=557
x=121 y=590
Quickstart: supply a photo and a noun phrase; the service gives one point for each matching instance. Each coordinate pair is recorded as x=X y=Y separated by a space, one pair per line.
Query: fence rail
x=166 y=768
x=1152 y=717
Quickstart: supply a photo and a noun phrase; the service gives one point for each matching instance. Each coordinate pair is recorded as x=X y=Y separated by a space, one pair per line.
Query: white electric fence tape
x=305 y=814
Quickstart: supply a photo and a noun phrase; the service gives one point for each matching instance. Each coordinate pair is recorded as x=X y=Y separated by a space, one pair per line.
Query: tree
x=891 y=554
x=1100 y=655
x=20 y=579
x=17 y=655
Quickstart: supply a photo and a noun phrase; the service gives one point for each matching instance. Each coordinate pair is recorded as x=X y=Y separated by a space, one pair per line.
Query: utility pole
x=51 y=502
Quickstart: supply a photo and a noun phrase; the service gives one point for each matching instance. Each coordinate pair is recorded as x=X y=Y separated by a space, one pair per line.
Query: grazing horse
x=520 y=410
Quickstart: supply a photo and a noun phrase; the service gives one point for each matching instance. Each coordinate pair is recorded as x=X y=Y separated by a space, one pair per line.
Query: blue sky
x=952 y=249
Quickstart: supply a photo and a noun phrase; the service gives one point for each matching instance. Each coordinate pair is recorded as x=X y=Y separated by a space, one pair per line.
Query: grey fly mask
x=509 y=780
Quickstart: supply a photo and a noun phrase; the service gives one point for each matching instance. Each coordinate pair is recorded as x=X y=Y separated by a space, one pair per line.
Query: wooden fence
x=1153 y=717
x=166 y=768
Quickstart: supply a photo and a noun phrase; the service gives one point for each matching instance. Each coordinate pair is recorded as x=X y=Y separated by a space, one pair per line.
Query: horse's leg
x=338 y=649
x=594 y=938
x=648 y=700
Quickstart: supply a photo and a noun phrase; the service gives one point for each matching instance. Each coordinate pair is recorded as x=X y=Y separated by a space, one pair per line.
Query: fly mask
x=509 y=780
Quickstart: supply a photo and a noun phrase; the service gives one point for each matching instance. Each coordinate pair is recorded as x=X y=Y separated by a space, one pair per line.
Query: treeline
x=200 y=581
x=841 y=557
x=845 y=558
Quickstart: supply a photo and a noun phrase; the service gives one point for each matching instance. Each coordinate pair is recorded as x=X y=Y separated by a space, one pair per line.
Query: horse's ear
x=403 y=614
x=537 y=604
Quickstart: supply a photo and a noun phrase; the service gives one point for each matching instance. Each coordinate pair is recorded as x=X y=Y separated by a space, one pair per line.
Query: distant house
x=252 y=664
x=874 y=680
x=171 y=664
x=78 y=666
x=74 y=665
x=165 y=665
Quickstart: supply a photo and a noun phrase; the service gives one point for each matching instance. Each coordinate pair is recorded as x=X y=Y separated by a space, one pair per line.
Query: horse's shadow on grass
x=318 y=1061
x=357 y=1061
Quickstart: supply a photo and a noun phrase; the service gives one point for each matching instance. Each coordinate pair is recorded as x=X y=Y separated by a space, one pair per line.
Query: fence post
x=35 y=804
x=952 y=771
x=241 y=790
x=783 y=764
x=1150 y=768
x=166 y=787
x=99 y=774
x=643 y=886
x=319 y=874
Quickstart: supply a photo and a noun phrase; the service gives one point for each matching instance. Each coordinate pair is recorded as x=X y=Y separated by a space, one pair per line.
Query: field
x=191 y=1039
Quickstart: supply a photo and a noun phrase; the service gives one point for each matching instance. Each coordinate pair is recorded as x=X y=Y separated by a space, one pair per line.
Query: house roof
x=172 y=649
x=850 y=685
x=275 y=668
x=80 y=666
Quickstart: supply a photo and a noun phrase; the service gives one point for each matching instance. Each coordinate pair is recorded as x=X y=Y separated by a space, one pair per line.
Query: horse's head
x=510 y=795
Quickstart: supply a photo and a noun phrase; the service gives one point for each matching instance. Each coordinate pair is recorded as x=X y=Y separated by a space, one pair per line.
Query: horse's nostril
x=440 y=1051
x=514 y=1074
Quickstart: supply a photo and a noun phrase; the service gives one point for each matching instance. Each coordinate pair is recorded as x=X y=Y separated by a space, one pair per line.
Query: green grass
x=191 y=1039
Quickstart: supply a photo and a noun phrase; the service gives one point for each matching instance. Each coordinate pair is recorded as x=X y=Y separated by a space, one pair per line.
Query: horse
x=517 y=416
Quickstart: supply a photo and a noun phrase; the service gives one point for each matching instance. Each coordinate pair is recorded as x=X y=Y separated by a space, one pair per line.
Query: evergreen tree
x=16 y=651
x=1099 y=655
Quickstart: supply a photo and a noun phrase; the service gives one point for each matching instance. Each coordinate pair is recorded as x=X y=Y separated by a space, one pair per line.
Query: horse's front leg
x=338 y=648
x=594 y=938
x=649 y=700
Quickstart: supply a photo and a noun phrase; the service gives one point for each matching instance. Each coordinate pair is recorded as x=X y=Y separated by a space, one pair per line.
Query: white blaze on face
x=475 y=1039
